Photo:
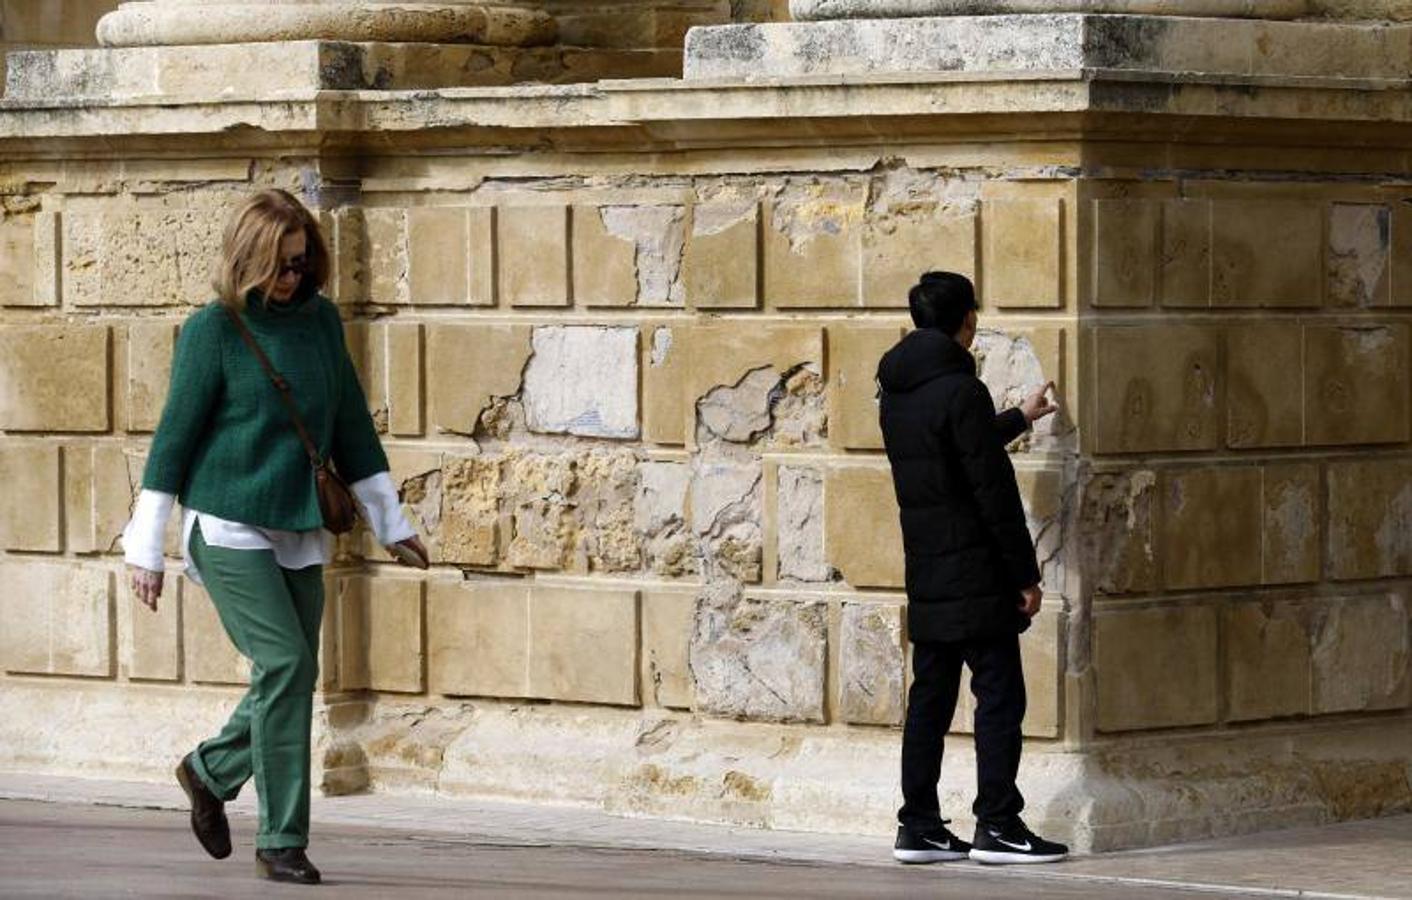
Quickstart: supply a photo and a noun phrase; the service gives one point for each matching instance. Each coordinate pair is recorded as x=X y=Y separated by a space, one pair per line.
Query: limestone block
x=116 y=481
x=1013 y=364
x=350 y=596
x=1261 y=363
x=1355 y=384
x=151 y=641
x=470 y=511
x=1370 y=519
x=1360 y=655
x=208 y=653
x=471 y=366
x=811 y=258
x=1156 y=387
x=1042 y=655
x=58 y=619
x=380 y=635
x=871 y=664
x=1042 y=494
x=1184 y=267
x=721 y=262
x=539 y=504
x=727 y=499
x=800 y=520
x=661 y=516
x=17 y=259
x=533 y=255
x=1290 y=538
x=54 y=378
x=1244 y=271
x=863 y=531
x=667 y=620
x=1267 y=661
x=760 y=659
x=583 y=645
x=1400 y=293
x=403 y=352
x=1211 y=527
x=605 y=264
x=149 y=367
x=582 y=380
x=723 y=354
x=1117 y=528
x=1024 y=256
x=923 y=237
x=80 y=536
x=1359 y=255
x=1125 y=252
x=47 y=244
x=386 y=254
x=666 y=356
x=31 y=515
x=854 y=353
x=478 y=638
x=1137 y=652
x=450 y=255
x=140 y=257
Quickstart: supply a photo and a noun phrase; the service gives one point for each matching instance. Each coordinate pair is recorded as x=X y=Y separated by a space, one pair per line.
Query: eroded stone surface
x=871 y=664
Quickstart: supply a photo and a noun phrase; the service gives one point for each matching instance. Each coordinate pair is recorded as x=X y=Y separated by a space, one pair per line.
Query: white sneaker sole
x=921 y=857
x=1001 y=858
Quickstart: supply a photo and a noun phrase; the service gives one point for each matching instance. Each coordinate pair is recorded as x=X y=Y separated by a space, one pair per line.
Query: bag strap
x=281 y=385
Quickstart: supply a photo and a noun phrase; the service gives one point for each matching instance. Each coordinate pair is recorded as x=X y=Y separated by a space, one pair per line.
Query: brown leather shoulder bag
x=336 y=501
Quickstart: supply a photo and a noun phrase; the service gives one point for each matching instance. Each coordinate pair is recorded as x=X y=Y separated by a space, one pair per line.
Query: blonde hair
x=250 y=248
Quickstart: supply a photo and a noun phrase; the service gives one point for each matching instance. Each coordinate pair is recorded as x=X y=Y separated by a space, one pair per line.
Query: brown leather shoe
x=208 y=812
x=289 y=865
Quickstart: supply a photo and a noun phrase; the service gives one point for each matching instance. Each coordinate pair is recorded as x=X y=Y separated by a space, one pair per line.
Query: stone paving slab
x=1368 y=859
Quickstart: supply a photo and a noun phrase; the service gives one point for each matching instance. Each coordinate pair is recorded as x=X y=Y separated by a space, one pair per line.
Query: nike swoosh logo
x=1025 y=847
x=945 y=846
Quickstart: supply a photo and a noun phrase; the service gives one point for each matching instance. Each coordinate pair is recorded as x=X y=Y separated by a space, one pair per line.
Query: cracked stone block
x=1125 y=252
x=149 y=366
x=1136 y=653
x=1117 y=528
x=720 y=264
x=1355 y=384
x=871 y=664
x=812 y=232
x=31 y=516
x=582 y=380
x=759 y=659
x=1359 y=255
x=1156 y=387
x=667 y=621
x=207 y=651
x=1370 y=519
x=863 y=530
x=1268 y=672
x=471 y=366
x=1211 y=527
x=1184 y=266
x=1243 y=271
x=1360 y=654
x=605 y=263
x=1261 y=410
x=722 y=354
x=1042 y=493
x=1013 y=366
x=58 y=619
x=54 y=378
x=470 y=511
x=629 y=255
x=800 y=520
x=1290 y=531
x=1023 y=241
x=727 y=497
x=741 y=412
x=660 y=518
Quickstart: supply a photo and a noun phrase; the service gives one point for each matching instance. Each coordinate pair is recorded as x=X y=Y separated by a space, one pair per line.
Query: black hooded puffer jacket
x=968 y=549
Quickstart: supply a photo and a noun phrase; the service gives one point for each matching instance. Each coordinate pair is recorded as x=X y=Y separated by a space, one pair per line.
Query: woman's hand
x=411 y=552
x=146 y=585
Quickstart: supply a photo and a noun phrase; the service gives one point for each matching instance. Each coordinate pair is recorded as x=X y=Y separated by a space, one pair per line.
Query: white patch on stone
x=661 y=496
x=661 y=346
x=659 y=233
x=1359 y=247
x=801 y=526
x=582 y=380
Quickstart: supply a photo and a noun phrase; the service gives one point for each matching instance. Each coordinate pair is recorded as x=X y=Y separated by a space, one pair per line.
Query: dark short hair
x=942 y=300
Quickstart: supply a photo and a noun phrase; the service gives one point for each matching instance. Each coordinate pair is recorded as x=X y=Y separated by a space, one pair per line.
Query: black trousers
x=998 y=682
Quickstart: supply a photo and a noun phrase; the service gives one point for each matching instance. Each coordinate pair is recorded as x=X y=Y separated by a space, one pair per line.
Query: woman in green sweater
x=252 y=528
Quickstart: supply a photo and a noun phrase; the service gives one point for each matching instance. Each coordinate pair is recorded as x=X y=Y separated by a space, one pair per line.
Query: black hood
x=924 y=355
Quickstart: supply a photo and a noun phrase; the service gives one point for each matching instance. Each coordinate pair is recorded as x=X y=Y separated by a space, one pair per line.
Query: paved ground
x=55 y=843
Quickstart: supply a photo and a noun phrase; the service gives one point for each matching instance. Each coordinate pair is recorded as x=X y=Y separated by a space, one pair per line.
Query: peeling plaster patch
x=1359 y=249
x=582 y=380
x=661 y=346
x=659 y=234
x=790 y=409
x=727 y=497
x=1011 y=369
x=804 y=210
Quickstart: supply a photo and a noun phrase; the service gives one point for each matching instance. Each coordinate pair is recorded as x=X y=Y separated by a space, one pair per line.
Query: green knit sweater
x=225 y=445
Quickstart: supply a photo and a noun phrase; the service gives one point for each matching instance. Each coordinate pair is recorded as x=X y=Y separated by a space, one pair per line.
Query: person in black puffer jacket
x=972 y=580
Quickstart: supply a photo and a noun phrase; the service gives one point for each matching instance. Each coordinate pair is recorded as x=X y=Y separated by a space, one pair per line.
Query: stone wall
x=25 y=24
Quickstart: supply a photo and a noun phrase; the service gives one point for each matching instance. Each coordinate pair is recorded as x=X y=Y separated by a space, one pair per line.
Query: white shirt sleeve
x=145 y=534
x=383 y=508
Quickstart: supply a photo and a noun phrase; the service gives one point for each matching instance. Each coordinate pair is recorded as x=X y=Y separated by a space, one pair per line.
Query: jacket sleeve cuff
x=1011 y=424
x=145 y=534
x=383 y=508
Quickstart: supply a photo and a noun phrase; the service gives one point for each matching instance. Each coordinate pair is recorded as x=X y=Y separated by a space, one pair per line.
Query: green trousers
x=272 y=615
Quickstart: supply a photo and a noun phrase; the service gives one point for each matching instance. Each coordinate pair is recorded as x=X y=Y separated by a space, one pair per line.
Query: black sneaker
x=1014 y=843
x=936 y=846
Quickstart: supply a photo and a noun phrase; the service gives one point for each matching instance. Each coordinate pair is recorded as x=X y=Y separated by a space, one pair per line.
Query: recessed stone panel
x=1125 y=252
x=1267 y=661
x=583 y=645
x=1244 y=273
x=928 y=236
x=863 y=531
x=1211 y=527
x=1360 y=654
x=439 y=256
x=1400 y=293
x=1156 y=388
x=721 y=263
x=31 y=514
x=666 y=357
x=605 y=264
x=1184 y=267
x=58 y=619
x=149 y=368
x=207 y=651
x=17 y=253
x=532 y=245
x=811 y=246
x=478 y=638
x=1370 y=519
x=1262 y=363
x=151 y=640
x=854 y=353
x=403 y=352
x=1023 y=254
x=54 y=378
x=1356 y=384
x=396 y=657
x=1137 y=653
x=871 y=662
x=471 y=366
x=1291 y=524
x=667 y=621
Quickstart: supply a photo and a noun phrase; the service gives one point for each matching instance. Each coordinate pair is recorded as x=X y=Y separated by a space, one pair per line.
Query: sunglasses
x=299 y=265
